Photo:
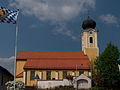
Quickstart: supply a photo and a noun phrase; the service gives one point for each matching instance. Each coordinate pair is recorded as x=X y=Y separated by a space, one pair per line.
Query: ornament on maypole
x=3 y=14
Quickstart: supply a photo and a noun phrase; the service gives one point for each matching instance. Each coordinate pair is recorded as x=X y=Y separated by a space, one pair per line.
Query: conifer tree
x=106 y=67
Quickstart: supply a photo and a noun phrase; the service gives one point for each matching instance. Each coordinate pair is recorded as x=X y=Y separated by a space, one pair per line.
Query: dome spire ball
x=88 y=23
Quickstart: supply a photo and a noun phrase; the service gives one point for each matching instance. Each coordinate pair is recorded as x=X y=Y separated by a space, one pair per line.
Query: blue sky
x=55 y=25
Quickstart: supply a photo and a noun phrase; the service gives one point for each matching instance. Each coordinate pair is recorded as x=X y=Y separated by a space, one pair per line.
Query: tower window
x=91 y=39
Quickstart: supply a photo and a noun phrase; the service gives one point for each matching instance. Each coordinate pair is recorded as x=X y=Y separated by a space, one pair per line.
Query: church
x=56 y=65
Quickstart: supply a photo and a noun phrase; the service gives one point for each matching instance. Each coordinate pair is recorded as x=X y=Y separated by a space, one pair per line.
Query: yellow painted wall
x=44 y=75
x=19 y=79
x=94 y=39
x=19 y=66
x=86 y=73
x=28 y=81
x=77 y=73
x=86 y=40
x=28 y=78
x=92 y=53
x=90 y=49
x=60 y=75
x=33 y=82
x=53 y=73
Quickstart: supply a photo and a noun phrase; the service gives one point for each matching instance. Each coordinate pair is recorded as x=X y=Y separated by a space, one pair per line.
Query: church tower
x=90 y=39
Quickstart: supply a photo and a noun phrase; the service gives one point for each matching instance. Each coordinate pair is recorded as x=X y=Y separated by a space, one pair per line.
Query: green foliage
x=65 y=88
x=104 y=88
x=106 y=67
x=99 y=88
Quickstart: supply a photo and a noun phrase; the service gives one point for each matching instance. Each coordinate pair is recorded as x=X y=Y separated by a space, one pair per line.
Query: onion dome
x=88 y=23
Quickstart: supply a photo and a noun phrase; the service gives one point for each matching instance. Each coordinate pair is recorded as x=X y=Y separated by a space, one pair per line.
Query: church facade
x=56 y=65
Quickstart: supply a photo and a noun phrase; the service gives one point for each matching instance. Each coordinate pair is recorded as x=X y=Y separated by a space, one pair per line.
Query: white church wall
x=78 y=82
x=53 y=83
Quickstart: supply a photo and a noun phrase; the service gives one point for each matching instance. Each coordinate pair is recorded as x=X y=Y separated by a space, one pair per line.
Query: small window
x=81 y=72
x=32 y=75
x=48 y=76
x=91 y=39
x=64 y=74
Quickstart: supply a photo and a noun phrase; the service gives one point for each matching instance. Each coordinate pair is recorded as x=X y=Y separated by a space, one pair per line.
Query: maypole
x=9 y=16
x=16 y=42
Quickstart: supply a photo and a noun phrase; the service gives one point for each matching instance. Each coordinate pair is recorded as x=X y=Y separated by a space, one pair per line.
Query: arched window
x=91 y=39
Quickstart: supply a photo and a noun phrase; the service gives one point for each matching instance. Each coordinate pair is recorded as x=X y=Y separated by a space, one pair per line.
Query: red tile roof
x=20 y=75
x=50 y=54
x=57 y=64
x=54 y=59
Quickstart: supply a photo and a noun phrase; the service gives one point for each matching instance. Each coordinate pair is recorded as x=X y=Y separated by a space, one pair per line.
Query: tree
x=106 y=67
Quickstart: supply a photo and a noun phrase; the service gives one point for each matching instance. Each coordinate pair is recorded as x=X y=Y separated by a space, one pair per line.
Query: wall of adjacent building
x=19 y=68
x=19 y=79
x=4 y=77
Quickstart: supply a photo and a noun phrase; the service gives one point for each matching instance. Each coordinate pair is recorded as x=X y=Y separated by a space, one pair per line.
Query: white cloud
x=10 y=58
x=63 y=30
x=8 y=63
x=53 y=10
x=108 y=18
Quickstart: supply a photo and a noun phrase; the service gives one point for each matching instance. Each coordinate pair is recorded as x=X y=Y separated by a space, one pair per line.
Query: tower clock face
x=90 y=32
